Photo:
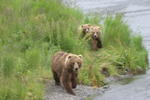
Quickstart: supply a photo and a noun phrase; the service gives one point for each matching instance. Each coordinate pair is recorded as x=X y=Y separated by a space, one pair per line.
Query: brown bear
x=65 y=68
x=95 y=37
x=85 y=29
x=92 y=34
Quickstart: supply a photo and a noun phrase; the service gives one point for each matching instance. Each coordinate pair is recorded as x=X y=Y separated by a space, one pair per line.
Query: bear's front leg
x=68 y=87
x=74 y=79
x=94 y=44
x=66 y=81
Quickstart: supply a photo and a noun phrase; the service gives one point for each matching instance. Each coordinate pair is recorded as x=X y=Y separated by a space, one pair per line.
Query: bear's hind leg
x=56 y=78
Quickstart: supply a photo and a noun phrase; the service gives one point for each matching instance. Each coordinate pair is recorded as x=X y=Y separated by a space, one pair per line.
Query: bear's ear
x=80 y=56
x=85 y=25
x=69 y=56
x=82 y=26
x=98 y=27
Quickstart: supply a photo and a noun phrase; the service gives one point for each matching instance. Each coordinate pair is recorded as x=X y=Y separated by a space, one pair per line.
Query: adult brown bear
x=65 y=68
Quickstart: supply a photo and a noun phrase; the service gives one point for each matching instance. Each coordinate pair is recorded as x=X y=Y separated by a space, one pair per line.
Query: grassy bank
x=32 y=30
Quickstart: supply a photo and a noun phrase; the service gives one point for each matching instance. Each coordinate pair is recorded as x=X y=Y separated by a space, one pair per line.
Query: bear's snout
x=86 y=30
x=95 y=35
x=76 y=67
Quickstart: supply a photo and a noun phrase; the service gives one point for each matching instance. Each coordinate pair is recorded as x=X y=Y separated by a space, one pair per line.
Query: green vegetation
x=31 y=31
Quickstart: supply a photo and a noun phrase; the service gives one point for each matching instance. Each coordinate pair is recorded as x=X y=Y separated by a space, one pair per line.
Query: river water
x=137 y=15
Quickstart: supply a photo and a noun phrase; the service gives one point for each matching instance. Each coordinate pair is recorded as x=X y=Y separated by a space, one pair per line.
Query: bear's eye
x=72 y=64
x=79 y=64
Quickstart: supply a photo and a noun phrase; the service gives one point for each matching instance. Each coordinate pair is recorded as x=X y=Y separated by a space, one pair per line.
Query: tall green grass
x=116 y=32
x=130 y=48
x=123 y=53
x=31 y=31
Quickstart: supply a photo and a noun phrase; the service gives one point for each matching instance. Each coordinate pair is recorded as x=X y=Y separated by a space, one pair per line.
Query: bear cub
x=85 y=29
x=93 y=33
x=65 y=68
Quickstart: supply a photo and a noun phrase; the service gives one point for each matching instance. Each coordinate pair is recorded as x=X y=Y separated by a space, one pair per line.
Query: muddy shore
x=54 y=92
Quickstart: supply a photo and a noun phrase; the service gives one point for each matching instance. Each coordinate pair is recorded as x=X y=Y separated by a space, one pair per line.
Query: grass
x=31 y=31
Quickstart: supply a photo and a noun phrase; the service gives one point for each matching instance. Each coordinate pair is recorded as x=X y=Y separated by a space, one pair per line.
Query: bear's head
x=95 y=32
x=73 y=62
x=86 y=28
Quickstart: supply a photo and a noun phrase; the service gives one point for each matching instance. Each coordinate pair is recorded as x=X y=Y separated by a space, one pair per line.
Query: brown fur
x=63 y=70
x=85 y=29
x=89 y=31
x=95 y=37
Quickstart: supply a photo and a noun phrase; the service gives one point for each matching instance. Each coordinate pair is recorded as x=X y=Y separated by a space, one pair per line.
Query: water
x=137 y=89
x=137 y=15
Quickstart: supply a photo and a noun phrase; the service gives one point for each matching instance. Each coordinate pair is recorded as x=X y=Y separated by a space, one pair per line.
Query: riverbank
x=136 y=87
x=83 y=92
x=54 y=92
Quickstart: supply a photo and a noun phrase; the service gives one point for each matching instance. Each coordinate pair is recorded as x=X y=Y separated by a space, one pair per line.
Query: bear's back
x=58 y=60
